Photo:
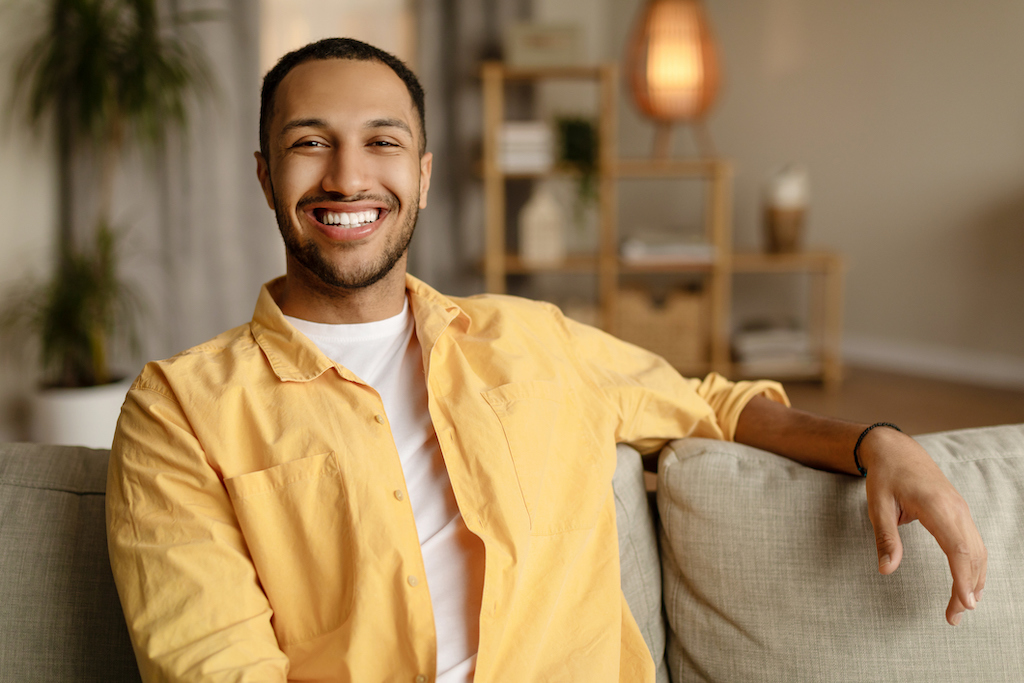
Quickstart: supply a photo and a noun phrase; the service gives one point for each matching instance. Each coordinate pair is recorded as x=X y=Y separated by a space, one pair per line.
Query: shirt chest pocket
x=560 y=461
x=296 y=523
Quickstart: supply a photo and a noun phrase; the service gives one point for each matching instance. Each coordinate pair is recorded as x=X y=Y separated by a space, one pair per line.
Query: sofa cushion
x=638 y=554
x=60 y=618
x=770 y=569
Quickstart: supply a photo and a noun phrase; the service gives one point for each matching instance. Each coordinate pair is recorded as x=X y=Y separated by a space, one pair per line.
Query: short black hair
x=336 y=48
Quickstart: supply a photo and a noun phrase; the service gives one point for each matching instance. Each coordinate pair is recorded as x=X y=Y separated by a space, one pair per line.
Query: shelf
x=669 y=168
x=826 y=311
x=760 y=262
x=556 y=172
x=512 y=73
x=498 y=265
x=808 y=370
x=606 y=264
x=634 y=268
x=575 y=264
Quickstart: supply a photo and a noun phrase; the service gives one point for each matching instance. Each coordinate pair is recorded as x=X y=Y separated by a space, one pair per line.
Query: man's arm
x=903 y=484
x=191 y=598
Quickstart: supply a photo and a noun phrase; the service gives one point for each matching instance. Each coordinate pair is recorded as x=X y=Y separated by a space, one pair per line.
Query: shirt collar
x=294 y=358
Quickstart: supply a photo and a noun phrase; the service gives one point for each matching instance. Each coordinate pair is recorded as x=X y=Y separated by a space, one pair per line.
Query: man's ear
x=426 y=163
x=263 y=173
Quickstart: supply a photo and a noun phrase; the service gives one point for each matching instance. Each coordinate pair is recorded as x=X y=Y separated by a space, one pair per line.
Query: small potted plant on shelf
x=103 y=73
x=578 y=150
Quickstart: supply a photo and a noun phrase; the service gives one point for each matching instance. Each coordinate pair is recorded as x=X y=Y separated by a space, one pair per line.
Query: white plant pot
x=77 y=417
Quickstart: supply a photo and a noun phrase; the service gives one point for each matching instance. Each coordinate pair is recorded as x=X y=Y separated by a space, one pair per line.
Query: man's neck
x=316 y=302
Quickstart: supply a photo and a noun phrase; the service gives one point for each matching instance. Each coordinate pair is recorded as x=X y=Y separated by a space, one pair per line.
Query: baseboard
x=940 y=362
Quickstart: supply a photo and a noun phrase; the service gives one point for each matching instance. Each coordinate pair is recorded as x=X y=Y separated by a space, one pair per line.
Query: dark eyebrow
x=389 y=123
x=302 y=123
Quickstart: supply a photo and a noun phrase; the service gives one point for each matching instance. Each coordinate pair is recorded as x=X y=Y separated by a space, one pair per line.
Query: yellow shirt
x=259 y=526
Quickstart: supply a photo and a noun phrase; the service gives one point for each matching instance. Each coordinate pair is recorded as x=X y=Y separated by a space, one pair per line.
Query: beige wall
x=910 y=118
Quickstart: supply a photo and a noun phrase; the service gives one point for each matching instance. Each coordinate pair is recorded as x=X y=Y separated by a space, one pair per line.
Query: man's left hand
x=904 y=484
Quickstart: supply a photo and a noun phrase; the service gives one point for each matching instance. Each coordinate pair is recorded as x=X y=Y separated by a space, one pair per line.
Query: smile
x=353 y=219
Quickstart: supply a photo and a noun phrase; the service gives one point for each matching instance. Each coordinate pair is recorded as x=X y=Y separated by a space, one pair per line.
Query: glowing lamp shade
x=671 y=63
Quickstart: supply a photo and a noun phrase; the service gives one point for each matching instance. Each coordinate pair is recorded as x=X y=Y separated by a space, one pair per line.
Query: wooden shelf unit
x=606 y=262
x=497 y=263
x=717 y=233
x=826 y=306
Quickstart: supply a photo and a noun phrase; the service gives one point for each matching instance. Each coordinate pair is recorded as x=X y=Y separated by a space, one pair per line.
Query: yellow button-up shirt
x=260 y=529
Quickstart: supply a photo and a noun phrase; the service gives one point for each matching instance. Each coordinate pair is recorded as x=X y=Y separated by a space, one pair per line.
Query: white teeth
x=348 y=220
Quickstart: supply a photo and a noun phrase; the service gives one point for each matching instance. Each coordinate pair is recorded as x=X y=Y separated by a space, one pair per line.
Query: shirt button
x=421 y=679
x=412 y=580
x=379 y=418
x=399 y=495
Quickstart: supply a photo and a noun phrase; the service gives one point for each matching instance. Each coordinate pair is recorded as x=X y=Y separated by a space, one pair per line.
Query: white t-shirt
x=386 y=355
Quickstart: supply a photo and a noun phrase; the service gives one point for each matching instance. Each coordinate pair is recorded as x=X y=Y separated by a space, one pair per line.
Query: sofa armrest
x=60 y=618
x=638 y=554
x=770 y=571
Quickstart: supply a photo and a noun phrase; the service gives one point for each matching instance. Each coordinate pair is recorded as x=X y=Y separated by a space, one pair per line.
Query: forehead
x=341 y=90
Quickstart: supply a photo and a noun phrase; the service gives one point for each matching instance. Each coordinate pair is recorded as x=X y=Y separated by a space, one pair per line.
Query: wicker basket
x=674 y=327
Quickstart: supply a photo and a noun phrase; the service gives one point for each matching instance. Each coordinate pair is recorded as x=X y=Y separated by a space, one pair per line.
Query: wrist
x=872 y=441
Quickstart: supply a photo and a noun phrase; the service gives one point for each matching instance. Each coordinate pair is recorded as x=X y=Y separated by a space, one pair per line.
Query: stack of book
x=526 y=147
x=653 y=249
x=772 y=352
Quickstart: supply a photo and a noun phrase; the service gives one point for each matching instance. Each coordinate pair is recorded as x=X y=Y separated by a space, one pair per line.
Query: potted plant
x=103 y=73
x=578 y=150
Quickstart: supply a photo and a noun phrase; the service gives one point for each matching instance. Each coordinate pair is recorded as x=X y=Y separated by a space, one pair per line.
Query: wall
x=28 y=195
x=910 y=118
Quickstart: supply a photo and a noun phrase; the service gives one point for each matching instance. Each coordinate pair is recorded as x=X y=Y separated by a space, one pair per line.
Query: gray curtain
x=201 y=239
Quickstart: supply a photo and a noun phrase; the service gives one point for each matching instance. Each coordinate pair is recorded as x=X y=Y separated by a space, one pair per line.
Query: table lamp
x=673 y=70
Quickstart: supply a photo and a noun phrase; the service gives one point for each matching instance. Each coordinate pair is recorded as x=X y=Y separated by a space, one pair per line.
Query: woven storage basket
x=674 y=327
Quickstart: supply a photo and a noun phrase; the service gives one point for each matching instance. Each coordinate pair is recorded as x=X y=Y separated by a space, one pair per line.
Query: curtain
x=200 y=237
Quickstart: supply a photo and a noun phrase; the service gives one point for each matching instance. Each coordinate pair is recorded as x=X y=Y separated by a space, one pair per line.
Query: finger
x=884 y=520
x=980 y=586
x=954 y=611
x=968 y=559
x=982 y=565
x=968 y=576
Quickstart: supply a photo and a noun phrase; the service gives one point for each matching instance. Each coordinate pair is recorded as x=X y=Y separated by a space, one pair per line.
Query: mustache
x=388 y=200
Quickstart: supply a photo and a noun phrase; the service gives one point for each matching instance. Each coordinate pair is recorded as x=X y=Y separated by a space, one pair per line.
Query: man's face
x=344 y=176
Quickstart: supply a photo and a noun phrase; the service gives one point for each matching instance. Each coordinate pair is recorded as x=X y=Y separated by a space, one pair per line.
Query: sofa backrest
x=770 y=569
x=60 y=617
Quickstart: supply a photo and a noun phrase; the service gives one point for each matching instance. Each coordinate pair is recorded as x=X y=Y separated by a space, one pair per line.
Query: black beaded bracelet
x=856 y=456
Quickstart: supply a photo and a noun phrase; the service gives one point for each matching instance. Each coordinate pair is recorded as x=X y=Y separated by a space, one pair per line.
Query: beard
x=313 y=258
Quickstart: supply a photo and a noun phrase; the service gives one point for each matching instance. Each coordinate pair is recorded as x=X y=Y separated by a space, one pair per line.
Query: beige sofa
x=769 y=569
x=766 y=568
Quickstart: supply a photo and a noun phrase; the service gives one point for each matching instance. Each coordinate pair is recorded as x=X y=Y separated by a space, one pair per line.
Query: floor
x=918 y=405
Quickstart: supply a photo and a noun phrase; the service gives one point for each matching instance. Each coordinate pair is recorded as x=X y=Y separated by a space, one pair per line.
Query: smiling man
x=372 y=481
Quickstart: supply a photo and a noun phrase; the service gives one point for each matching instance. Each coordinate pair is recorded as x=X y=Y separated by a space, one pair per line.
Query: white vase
x=541 y=230
x=77 y=417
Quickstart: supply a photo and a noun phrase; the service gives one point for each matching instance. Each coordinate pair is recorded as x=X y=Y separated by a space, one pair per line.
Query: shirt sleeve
x=653 y=401
x=192 y=601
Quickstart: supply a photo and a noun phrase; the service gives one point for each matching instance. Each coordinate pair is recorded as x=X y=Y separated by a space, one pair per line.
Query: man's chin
x=331 y=278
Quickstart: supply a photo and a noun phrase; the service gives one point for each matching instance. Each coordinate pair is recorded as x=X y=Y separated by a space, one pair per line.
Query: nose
x=347 y=171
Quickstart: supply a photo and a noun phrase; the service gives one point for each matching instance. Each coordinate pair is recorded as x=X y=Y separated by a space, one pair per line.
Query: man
x=372 y=481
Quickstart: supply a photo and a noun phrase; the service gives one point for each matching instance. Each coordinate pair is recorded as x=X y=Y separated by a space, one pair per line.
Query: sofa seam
x=43 y=487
